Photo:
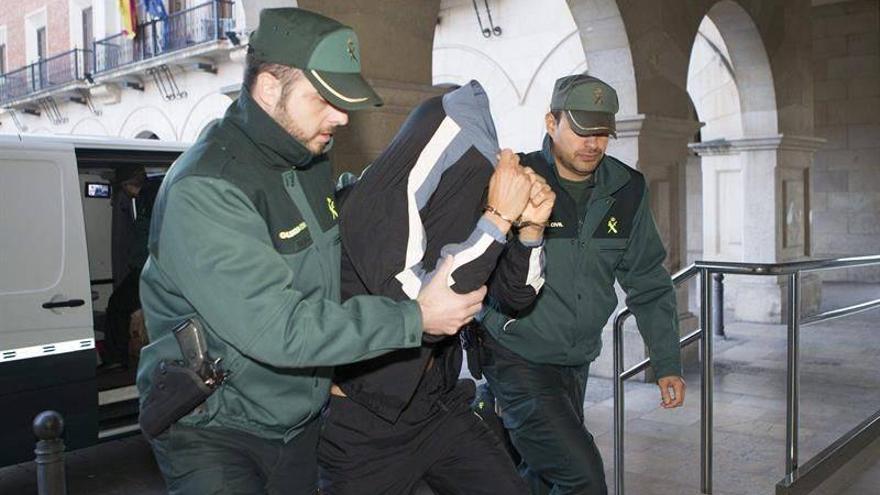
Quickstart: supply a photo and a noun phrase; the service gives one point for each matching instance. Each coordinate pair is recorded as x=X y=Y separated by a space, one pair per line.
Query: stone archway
x=147 y=135
x=623 y=43
x=90 y=126
x=539 y=43
x=151 y=119
x=208 y=109
x=748 y=57
x=609 y=57
x=755 y=181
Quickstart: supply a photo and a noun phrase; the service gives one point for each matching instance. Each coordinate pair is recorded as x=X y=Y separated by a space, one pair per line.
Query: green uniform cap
x=325 y=50
x=588 y=103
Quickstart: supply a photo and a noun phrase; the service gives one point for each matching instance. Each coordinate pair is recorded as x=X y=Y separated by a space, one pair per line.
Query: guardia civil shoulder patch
x=290 y=234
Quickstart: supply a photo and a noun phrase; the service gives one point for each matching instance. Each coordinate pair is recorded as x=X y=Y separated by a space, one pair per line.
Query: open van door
x=47 y=344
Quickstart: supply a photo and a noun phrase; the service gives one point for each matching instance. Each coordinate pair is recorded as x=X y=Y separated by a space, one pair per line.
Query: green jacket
x=616 y=240
x=244 y=237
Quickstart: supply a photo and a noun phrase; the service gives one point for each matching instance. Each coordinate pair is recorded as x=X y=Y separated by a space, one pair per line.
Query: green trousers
x=542 y=408
x=203 y=461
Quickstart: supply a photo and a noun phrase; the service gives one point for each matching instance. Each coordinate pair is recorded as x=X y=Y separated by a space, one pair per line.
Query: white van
x=56 y=277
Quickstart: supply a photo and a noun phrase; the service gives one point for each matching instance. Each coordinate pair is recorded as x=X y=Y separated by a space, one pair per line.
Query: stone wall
x=846 y=171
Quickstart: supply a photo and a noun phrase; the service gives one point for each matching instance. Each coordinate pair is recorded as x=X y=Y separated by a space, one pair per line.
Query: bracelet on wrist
x=515 y=223
x=493 y=211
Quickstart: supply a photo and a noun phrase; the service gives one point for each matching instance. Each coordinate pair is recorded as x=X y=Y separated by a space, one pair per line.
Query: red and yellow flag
x=128 y=13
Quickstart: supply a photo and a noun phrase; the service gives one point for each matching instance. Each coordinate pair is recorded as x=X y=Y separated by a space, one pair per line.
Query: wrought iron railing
x=203 y=23
x=798 y=478
x=52 y=72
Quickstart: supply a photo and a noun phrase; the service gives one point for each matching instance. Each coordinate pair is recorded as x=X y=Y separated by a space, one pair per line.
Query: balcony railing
x=204 y=23
x=201 y=24
x=55 y=71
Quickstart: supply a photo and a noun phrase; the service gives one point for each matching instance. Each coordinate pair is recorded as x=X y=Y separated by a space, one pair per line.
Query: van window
x=32 y=223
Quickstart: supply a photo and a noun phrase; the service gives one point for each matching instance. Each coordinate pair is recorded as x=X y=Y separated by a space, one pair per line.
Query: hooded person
x=404 y=417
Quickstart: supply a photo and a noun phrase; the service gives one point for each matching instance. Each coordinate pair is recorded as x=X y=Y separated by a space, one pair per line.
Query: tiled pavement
x=121 y=467
x=840 y=386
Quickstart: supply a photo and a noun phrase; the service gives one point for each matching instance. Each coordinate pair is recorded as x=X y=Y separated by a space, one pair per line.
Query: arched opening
x=730 y=83
x=146 y=120
x=712 y=87
x=731 y=86
x=146 y=135
x=517 y=64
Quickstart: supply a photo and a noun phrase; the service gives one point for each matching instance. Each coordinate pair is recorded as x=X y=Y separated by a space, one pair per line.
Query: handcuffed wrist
x=493 y=211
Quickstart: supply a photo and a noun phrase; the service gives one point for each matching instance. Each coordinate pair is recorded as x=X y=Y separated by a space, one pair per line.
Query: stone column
x=692 y=232
x=397 y=39
x=657 y=147
x=756 y=203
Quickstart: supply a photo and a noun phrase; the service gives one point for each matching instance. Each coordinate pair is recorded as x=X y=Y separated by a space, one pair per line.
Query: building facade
x=166 y=82
x=756 y=122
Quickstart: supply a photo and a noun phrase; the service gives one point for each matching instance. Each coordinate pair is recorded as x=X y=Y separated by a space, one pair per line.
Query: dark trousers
x=542 y=407
x=202 y=461
x=453 y=451
x=124 y=301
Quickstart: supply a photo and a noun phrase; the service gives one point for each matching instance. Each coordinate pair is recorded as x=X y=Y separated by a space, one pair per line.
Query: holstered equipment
x=177 y=388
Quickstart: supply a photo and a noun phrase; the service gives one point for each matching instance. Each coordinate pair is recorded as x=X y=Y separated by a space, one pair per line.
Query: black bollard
x=51 y=480
x=718 y=304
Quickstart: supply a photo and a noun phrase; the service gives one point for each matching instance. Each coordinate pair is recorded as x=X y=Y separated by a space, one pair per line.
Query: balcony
x=44 y=76
x=182 y=36
x=196 y=26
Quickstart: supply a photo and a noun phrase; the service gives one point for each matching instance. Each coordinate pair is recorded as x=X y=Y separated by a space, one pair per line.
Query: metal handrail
x=734 y=268
x=846 y=446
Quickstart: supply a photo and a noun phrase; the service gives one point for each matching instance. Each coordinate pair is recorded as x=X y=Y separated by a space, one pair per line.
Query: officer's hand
x=671 y=391
x=541 y=201
x=443 y=310
x=509 y=189
x=533 y=176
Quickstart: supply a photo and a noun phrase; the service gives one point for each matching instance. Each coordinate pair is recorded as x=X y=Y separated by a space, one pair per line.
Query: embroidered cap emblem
x=598 y=96
x=331 y=205
x=612 y=225
x=352 y=49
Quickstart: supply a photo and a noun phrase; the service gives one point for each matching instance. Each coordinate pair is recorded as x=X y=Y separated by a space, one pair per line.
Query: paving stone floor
x=840 y=386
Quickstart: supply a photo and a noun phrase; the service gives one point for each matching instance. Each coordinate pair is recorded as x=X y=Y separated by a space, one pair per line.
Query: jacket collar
x=610 y=175
x=276 y=147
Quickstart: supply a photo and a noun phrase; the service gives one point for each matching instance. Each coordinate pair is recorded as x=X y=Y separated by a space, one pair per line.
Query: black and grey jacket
x=419 y=201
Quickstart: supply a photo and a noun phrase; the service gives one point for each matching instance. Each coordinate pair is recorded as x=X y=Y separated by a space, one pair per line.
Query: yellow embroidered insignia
x=612 y=225
x=331 y=205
